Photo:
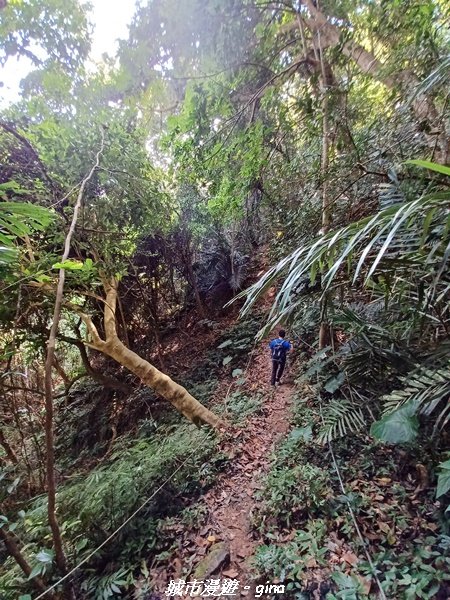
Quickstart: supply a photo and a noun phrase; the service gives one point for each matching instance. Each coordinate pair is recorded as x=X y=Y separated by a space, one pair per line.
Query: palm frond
x=438 y=76
x=425 y=391
x=340 y=417
x=390 y=194
x=424 y=386
x=411 y=238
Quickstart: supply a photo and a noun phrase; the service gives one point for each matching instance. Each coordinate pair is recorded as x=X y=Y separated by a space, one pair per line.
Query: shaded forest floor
x=262 y=502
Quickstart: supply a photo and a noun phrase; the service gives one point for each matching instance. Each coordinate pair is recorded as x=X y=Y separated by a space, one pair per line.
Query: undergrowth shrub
x=236 y=344
x=134 y=470
x=92 y=506
x=239 y=405
x=291 y=492
x=288 y=562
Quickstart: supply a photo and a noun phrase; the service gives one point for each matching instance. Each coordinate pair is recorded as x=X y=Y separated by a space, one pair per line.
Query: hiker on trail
x=279 y=347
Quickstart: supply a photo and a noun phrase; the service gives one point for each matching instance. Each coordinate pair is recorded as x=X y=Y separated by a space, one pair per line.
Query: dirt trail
x=231 y=502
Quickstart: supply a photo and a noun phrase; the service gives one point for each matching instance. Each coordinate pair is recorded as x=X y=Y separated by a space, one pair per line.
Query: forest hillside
x=233 y=174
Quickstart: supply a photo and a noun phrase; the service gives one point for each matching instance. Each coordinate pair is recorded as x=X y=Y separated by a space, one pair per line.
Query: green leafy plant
x=426 y=390
x=293 y=491
x=18 y=220
x=242 y=405
x=349 y=587
x=288 y=562
x=443 y=485
x=108 y=586
x=396 y=242
x=44 y=563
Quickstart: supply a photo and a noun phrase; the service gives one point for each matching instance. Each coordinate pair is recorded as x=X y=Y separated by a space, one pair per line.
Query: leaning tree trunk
x=112 y=346
x=162 y=384
x=60 y=557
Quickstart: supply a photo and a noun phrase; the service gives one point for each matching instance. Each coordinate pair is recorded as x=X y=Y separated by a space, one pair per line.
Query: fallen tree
x=162 y=384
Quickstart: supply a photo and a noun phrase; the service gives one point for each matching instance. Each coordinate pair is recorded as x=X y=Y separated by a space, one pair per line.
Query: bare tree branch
x=50 y=356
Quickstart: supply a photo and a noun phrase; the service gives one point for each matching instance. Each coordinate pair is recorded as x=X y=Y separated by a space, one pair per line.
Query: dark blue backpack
x=279 y=351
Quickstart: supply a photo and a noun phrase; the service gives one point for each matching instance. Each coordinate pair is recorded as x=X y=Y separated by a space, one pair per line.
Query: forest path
x=231 y=501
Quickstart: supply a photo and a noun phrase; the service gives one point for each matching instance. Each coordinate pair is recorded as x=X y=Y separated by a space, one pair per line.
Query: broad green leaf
x=399 y=426
x=335 y=383
x=443 y=484
x=426 y=164
x=43 y=278
x=69 y=265
x=226 y=360
x=38 y=569
x=301 y=433
x=82 y=544
x=44 y=556
x=225 y=344
x=236 y=372
x=343 y=581
x=7 y=255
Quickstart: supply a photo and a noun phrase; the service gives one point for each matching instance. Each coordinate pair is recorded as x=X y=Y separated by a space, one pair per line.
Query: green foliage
x=240 y=406
x=399 y=241
x=213 y=135
x=340 y=418
x=438 y=76
x=349 y=587
x=18 y=220
x=425 y=391
x=137 y=467
x=443 y=485
x=419 y=573
x=288 y=562
x=291 y=491
x=398 y=427
x=59 y=28
x=426 y=164
x=108 y=586
x=43 y=565
x=91 y=506
x=239 y=340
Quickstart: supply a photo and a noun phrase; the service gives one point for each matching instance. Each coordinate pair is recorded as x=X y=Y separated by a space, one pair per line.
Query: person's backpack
x=279 y=351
